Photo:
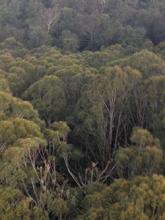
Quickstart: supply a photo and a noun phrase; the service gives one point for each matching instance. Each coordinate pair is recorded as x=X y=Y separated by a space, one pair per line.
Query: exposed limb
x=70 y=172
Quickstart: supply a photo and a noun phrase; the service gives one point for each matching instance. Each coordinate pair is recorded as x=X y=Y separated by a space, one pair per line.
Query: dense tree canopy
x=82 y=110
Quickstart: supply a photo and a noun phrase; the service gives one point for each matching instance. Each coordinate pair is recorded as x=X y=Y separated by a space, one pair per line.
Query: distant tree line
x=85 y=24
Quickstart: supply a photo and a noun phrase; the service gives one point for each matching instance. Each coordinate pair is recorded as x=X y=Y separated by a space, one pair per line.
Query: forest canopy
x=82 y=110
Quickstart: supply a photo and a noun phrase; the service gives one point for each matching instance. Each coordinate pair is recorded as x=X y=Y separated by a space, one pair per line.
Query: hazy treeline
x=83 y=24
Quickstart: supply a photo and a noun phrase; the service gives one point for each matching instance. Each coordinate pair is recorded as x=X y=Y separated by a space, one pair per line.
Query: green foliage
x=140 y=198
x=146 y=62
x=4 y=85
x=82 y=110
x=13 y=107
x=13 y=204
x=48 y=97
x=143 y=158
x=15 y=128
x=100 y=109
x=155 y=88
